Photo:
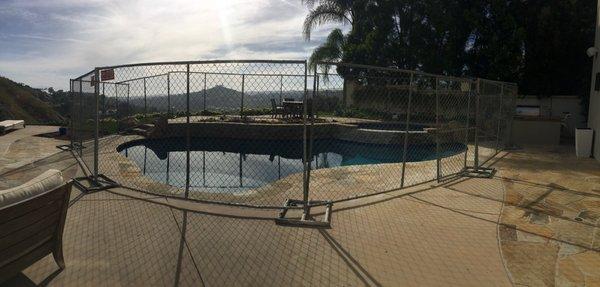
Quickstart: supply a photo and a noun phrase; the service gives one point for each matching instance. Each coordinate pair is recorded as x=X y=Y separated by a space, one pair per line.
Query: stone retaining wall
x=292 y=132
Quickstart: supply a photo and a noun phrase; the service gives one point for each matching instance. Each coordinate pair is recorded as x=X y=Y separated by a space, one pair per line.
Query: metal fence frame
x=474 y=129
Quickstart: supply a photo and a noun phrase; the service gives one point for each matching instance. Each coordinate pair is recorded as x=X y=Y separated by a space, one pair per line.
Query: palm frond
x=326 y=12
x=310 y=3
x=342 y=3
x=329 y=51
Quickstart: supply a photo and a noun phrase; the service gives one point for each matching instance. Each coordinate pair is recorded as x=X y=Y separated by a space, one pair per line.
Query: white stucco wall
x=594 y=113
x=556 y=107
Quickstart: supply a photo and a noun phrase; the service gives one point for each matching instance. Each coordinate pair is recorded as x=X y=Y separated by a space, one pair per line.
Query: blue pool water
x=229 y=165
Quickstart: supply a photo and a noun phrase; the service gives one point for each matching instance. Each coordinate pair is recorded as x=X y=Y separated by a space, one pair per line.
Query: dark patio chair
x=276 y=110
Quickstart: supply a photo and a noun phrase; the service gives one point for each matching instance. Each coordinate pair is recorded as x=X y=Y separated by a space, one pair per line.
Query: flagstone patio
x=535 y=223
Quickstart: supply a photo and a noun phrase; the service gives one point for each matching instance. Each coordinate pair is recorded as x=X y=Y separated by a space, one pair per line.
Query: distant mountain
x=21 y=102
x=217 y=98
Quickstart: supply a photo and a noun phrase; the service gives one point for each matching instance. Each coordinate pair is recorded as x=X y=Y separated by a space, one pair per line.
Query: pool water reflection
x=230 y=165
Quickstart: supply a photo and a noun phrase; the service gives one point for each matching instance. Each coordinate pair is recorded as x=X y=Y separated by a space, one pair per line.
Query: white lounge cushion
x=11 y=125
x=46 y=181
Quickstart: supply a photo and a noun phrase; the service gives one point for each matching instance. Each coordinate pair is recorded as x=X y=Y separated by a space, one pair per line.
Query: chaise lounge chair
x=32 y=219
x=11 y=125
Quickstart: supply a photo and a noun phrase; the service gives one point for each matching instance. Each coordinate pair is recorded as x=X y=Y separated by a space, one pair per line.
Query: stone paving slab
x=22 y=147
x=551 y=217
x=423 y=236
x=115 y=241
x=398 y=240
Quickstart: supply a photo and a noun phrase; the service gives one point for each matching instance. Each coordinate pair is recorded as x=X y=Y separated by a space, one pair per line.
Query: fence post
x=117 y=105
x=242 y=104
x=310 y=114
x=145 y=159
x=499 y=119
x=437 y=128
x=187 y=133
x=204 y=95
x=305 y=156
x=168 y=168
x=145 y=102
x=407 y=129
x=103 y=101
x=97 y=122
x=241 y=170
x=80 y=116
x=128 y=106
x=468 y=124
x=477 y=123
x=72 y=94
x=509 y=121
x=169 y=95
x=281 y=90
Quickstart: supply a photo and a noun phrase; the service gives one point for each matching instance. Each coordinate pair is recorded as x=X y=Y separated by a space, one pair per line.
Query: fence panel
x=508 y=108
x=490 y=117
x=205 y=134
x=362 y=133
x=262 y=132
x=453 y=124
x=84 y=107
x=421 y=161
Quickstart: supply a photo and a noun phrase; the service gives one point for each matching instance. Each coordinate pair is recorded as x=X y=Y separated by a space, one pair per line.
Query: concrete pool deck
x=535 y=223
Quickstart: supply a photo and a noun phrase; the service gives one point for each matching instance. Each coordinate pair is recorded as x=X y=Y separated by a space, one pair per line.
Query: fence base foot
x=69 y=147
x=478 y=172
x=89 y=184
x=304 y=219
x=65 y=147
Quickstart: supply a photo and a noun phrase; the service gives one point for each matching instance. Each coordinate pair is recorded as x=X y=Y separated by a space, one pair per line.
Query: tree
x=537 y=43
x=330 y=50
x=557 y=33
x=328 y=11
x=495 y=47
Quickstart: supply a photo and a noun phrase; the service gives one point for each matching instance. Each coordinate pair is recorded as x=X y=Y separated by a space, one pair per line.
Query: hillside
x=21 y=102
x=217 y=97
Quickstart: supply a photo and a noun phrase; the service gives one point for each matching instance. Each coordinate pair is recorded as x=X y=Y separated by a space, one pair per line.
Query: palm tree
x=327 y=11
x=329 y=51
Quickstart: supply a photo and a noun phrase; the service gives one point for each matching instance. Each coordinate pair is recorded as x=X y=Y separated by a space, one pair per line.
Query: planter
x=583 y=142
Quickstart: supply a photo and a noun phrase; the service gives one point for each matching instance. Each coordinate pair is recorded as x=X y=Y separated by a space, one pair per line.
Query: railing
x=210 y=130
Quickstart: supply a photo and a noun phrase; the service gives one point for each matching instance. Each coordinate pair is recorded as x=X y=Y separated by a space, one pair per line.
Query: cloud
x=45 y=43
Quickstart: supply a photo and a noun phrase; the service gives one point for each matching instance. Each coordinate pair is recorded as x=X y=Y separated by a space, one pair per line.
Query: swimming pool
x=391 y=126
x=233 y=165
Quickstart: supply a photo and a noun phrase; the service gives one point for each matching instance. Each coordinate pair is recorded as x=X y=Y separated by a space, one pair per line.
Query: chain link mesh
x=261 y=132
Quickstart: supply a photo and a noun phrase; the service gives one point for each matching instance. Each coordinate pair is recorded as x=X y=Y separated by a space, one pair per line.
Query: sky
x=45 y=43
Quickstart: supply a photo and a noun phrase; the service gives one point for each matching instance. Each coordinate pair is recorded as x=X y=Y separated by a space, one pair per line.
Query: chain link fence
x=258 y=133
